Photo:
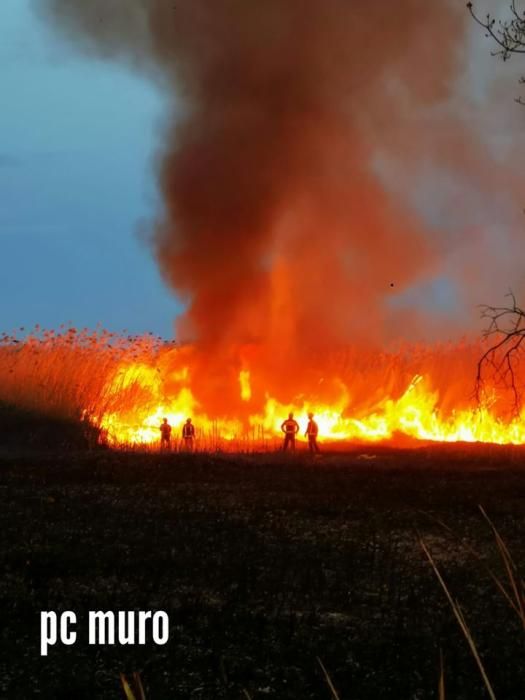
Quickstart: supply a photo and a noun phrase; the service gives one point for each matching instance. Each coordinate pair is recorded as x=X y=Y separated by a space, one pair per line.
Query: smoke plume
x=279 y=223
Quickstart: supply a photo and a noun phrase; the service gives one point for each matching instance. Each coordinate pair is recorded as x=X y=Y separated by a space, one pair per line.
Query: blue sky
x=77 y=139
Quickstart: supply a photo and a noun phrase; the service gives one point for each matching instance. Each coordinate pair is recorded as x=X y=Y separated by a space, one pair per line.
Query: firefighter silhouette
x=165 y=435
x=312 y=431
x=290 y=428
x=188 y=435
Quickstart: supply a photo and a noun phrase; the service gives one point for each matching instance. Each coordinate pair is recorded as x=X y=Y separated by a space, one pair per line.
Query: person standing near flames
x=188 y=435
x=312 y=431
x=165 y=435
x=290 y=428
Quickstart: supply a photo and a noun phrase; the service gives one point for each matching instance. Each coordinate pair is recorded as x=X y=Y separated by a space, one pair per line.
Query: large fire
x=303 y=228
x=125 y=387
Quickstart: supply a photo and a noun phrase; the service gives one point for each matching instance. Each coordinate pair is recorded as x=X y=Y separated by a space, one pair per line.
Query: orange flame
x=414 y=414
x=127 y=386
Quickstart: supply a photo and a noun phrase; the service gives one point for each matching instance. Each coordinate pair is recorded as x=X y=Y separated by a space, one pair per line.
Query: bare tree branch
x=509 y=35
x=500 y=363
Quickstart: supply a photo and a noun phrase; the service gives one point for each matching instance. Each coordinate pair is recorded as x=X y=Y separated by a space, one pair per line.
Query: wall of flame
x=126 y=386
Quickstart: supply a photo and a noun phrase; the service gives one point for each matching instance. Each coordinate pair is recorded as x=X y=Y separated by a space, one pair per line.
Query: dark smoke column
x=274 y=226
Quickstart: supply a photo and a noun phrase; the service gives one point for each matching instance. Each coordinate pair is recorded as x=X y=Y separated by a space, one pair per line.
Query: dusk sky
x=77 y=141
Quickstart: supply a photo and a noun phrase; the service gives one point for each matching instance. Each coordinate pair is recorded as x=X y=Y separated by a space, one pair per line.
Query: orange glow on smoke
x=125 y=387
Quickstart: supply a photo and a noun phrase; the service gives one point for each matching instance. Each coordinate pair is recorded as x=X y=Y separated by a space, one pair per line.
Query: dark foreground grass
x=263 y=564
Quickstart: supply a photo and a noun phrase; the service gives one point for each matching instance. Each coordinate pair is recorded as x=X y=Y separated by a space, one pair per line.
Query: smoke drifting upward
x=275 y=225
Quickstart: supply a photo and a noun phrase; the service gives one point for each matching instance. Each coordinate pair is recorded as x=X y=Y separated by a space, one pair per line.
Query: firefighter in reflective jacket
x=165 y=435
x=290 y=428
x=312 y=430
x=188 y=434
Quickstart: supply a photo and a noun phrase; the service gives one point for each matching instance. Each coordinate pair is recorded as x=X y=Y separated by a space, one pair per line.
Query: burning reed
x=301 y=142
x=126 y=386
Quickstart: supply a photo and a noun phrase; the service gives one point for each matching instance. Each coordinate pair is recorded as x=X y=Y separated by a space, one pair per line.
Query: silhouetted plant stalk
x=514 y=594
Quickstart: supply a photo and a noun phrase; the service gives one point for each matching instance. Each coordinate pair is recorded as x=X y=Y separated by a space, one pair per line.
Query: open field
x=263 y=563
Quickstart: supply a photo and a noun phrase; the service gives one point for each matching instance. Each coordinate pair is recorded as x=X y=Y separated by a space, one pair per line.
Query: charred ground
x=263 y=564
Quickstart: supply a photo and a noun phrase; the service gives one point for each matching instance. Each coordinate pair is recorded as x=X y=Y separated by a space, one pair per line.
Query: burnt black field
x=263 y=563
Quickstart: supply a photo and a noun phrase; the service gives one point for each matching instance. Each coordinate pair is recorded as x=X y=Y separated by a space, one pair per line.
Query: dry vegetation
x=64 y=375
x=126 y=385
